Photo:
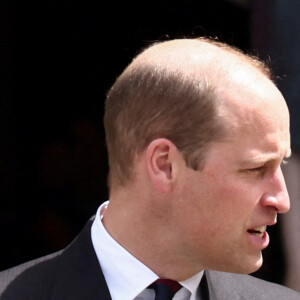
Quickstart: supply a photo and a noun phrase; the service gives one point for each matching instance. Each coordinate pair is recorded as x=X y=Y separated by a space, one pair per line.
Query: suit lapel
x=208 y=288
x=204 y=291
x=79 y=274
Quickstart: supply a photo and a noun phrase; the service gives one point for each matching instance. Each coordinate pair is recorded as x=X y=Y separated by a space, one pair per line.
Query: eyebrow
x=266 y=157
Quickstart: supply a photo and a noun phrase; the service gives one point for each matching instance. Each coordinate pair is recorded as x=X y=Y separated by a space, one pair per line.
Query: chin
x=257 y=266
x=251 y=266
x=245 y=266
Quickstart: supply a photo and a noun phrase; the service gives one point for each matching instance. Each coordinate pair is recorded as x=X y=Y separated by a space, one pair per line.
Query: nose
x=277 y=195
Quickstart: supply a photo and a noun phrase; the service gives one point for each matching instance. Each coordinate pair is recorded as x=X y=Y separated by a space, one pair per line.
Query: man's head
x=202 y=130
x=167 y=92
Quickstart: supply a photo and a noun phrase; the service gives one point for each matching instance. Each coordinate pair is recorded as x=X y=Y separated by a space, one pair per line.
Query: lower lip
x=259 y=242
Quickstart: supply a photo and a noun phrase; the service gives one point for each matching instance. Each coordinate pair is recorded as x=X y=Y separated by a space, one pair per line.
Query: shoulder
x=237 y=286
x=36 y=274
x=73 y=273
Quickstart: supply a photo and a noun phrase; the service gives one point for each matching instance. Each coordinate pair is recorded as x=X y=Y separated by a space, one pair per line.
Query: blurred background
x=58 y=60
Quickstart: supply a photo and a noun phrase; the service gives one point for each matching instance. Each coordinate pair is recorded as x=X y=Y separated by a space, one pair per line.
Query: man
x=196 y=134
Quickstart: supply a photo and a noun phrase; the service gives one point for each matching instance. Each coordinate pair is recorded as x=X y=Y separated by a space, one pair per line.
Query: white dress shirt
x=127 y=278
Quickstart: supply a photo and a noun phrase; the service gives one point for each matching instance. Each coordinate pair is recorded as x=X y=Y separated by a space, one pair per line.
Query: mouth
x=259 y=232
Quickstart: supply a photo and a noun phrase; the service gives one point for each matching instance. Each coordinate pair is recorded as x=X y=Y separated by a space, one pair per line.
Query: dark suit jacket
x=74 y=273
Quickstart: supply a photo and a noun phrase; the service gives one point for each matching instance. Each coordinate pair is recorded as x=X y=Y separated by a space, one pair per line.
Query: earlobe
x=160 y=163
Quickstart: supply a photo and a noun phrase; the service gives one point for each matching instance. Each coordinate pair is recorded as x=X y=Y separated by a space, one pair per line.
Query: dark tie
x=165 y=289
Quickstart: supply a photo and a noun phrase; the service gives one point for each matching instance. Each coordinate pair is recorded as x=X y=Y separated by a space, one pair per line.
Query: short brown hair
x=150 y=101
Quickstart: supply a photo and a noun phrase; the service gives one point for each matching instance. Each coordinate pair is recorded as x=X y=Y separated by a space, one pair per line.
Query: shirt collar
x=192 y=284
x=126 y=276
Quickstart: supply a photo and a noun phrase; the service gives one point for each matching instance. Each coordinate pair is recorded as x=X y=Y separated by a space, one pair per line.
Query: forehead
x=250 y=99
x=255 y=114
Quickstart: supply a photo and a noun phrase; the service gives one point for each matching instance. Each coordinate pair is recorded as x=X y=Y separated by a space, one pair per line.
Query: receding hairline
x=197 y=58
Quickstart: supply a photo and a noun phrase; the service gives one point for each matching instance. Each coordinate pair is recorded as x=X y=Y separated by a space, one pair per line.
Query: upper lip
x=269 y=223
x=272 y=222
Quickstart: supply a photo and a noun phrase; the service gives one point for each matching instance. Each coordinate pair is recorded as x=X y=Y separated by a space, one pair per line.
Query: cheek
x=230 y=199
x=220 y=200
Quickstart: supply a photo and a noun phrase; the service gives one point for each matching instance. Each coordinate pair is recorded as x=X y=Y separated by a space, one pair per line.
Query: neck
x=145 y=232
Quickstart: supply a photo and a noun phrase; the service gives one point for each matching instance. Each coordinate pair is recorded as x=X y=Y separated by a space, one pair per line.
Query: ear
x=162 y=164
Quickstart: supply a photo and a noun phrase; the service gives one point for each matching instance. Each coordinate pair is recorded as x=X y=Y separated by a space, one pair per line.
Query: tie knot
x=165 y=289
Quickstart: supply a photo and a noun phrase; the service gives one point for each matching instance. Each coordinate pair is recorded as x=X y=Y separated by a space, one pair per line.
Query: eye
x=260 y=169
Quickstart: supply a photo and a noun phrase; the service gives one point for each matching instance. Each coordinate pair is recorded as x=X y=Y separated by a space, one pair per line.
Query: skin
x=178 y=221
x=241 y=186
